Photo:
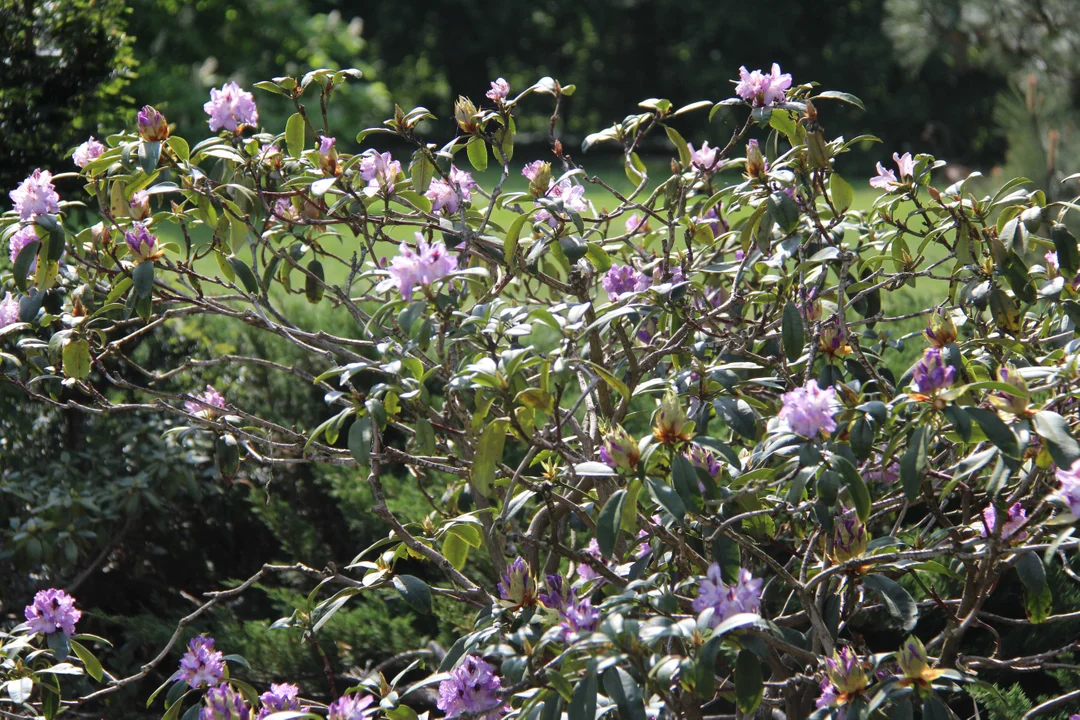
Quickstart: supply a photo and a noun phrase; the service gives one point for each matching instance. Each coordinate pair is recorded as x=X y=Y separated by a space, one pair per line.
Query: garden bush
x=651 y=453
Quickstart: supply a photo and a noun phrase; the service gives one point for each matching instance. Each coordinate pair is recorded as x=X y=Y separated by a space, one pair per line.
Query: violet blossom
x=623 y=279
x=472 y=688
x=932 y=373
x=1069 y=492
x=35 y=195
x=572 y=196
x=21 y=239
x=726 y=601
x=423 y=266
x=88 y=152
x=808 y=410
x=380 y=170
x=280 y=697
x=224 y=703
x=703 y=459
x=704 y=158
x=52 y=611
x=141 y=241
x=886 y=179
x=585 y=570
x=350 y=707
x=636 y=222
x=201 y=664
x=230 y=107
x=577 y=618
x=557 y=593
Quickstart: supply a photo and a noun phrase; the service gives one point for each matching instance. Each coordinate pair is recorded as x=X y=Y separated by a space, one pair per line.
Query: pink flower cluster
x=281 y=697
x=35 y=195
x=622 y=279
x=9 y=311
x=201 y=664
x=88 y=152
x=349 y=707
x=704 y=158
x=380 y=170
x=230 y=107
x=450 y=195
x=423 y=266
x=211 y=397
x=761 y=89
x=886 y=179
x=1068 y=493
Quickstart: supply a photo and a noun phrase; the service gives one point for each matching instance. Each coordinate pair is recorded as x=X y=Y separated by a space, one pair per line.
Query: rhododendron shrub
x=677 y=463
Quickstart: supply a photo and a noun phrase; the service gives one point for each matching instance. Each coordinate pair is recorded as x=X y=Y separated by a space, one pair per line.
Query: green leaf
x=784 y=211
x=841 y=191
x=60 y=645
x=609 y=522
x=680 y=145
x=1039 y=606
x=143 y=276
x=489 y=452
x=179 y=146
x=996 y=431
x=149 y=154
x=913 y=462
x=842 y=96
x=1031 y=571
x=313 y=288
x=666 y=497
x=415 y=592
x=76 y=358
x=23 y=261
x=616 y=384
x=247 y=278
x=478 y=153
x=749 y=682
x=792 y=332
x=1059 y=441
x=360 y=441
x=898 y=602
x=294 y=135
x=856 y=486
x=685 y=481
x=456 y=550
x=583 y=704
x=424 y=437
x=1067 y=252
x=510 y=244
x=625 y=692
x=934 y=709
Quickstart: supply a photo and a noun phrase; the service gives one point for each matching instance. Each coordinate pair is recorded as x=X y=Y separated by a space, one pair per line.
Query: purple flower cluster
x=808 y=410
x=703 y=158
x=577 y=618
x=451 y=194
x=230 y=107
x=35 y=195
x=623 y=279
x=21 y=239
x=279 y=698
x=473 y=688
x=1014 y=518
x=1068 y=493
x=423 y=266
x=932 y=373
x=88 y=152
x=558 y=593
x=499 y=90
x=742 y=597
x=141 y=241
x=52 y=611
x=886 y=179
x=701 y=458
x=9 y=311
x=201 y=664
x=224 y=703
x=350 y=707
x=636 y=222
x=211 y=397
x=380 y=170
x=761 y=89
x=284 y=210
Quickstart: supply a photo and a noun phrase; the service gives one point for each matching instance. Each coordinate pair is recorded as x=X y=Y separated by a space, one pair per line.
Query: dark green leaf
x=784 y=211
x=666 y=497
x=60 y=645
x=842 y=96
x=1059 y=441
x=961 y=421
x=143 y=277
x=607 y=524
x=244 y=273
x=313 y=286
x=685 y=481
x=913 y=462
x=583 y=705
x=749 y=682
x=792 y=332
x=23 y=261
x=625 y=691
x=996 y=431
x=360 y=440
x=1031 y=571
x=856 y=487
x=727 y=555
x=415 y=592
x=898 y=602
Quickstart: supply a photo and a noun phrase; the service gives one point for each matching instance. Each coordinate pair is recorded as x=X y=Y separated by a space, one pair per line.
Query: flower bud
x=518 y=588
x=941 y=330
x=849 y=538
x=670 y=424
x=833 y=342
x=139 y=207
x=141 y=242
x=328 y=157
x=620 y=450
x=152 y=125
x=933 y=373
x=224 y=703
x=912 y=658
x=1014 y=404
x=846 y=672
x=538 y=184
x=755 y=161
x=464 y=112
